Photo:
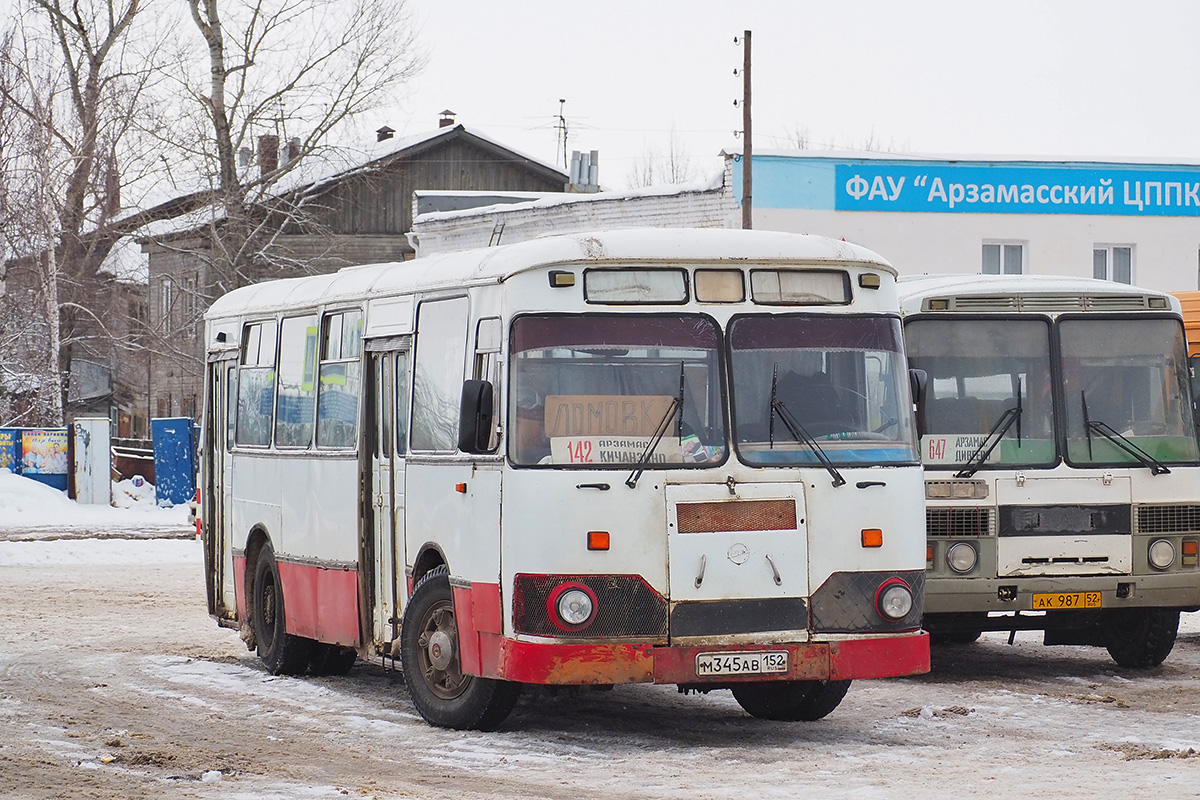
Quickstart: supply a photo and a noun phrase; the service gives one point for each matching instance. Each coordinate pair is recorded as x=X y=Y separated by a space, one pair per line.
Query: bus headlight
x=962 y=557
x=1161 y=554
x=894 y=599
x=574 y=605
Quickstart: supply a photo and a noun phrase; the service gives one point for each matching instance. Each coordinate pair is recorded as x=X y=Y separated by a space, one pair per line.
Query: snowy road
x=114 y=683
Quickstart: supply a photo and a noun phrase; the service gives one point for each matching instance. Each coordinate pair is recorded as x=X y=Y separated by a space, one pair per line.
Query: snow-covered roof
x=876 y=155
x=493 y=265
x=318 y=169
x=546 y=200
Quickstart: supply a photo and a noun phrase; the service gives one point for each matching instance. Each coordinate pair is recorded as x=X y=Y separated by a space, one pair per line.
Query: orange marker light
x=461 y=488
x=597 y=540
x=1190 y=547
x=872 y=537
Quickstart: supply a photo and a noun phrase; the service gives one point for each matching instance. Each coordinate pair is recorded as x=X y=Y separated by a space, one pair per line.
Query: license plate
x=1059 y=600
x=757 y=662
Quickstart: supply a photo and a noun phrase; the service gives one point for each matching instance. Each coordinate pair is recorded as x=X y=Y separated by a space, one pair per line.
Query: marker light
x=1190 y=554
x=461 y=488
x=961 y=557
x=894 y=599
x=560 y=279
x=574 y=607
x=872 y=537
x=1161 y=554
x=597 y=540
x=868 y=281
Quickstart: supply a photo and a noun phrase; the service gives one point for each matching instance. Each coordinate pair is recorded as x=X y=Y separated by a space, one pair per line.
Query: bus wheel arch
x=429 y=559
x=432 y=665
x=282 y=652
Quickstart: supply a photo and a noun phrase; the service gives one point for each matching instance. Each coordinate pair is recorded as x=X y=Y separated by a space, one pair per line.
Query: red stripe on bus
x=883 y=657
x=320 y=603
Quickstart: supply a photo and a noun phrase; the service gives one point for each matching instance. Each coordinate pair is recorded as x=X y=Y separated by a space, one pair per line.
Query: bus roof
x=1049 y=294
x=495 y=264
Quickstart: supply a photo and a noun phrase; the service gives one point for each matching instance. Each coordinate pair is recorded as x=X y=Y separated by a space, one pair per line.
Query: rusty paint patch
x=575 y=664
x=736 y=515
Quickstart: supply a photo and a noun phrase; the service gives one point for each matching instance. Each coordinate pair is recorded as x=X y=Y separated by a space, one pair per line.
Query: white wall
x=1166 y=249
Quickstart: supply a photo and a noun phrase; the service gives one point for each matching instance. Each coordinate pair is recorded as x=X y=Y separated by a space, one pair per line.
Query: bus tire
x=280 y=651
x=331 y=659
x=430 y=659
x=1140 y=637
x=790 y=701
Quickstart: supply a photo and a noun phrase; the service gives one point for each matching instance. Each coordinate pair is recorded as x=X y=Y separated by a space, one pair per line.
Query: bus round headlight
x=894 y=599
x=1161 y=554
x=574 y=607
x=961 y=557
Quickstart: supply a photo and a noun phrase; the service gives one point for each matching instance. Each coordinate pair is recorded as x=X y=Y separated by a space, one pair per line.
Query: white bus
x=1062 y=473
x=680 y=457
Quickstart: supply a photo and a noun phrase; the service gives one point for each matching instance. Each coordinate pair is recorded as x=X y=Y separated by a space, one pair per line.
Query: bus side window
x=340 y=380
x=256 y=385
x=401 y=402
x=487 y=363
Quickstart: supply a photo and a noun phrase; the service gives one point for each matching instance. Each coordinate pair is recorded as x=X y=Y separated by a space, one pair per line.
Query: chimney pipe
x=383 y=133
x=447 y=119
x=268 y=153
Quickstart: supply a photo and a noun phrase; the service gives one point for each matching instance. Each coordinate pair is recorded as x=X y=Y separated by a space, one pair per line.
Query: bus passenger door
x=389 y=373
x=216 y=487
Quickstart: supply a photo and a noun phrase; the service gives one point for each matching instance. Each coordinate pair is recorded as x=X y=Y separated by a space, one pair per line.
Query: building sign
x=973 y=187
x=1017 y=189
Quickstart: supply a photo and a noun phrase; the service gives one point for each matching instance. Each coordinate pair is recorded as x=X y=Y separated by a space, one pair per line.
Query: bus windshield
x=986 y=376
x=1125 y=382
x=612 y=391
x=810 y=387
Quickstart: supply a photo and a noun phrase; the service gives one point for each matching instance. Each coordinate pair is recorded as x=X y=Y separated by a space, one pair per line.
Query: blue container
x=174 y=460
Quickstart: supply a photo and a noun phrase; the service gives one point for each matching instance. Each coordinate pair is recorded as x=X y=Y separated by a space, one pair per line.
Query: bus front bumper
x=881 y=656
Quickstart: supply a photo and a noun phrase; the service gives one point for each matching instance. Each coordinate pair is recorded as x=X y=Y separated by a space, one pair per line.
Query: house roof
x=320 y=171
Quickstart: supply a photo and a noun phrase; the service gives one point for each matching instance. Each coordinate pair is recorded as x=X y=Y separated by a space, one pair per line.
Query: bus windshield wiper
x=659 y=431
x=989 y=443
x=797 y=431
x=1139 y=455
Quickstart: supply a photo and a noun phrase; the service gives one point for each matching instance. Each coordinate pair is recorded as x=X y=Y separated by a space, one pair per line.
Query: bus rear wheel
x=280 y=651
x=1140 y=637
x=790 y=701
x=431 y=660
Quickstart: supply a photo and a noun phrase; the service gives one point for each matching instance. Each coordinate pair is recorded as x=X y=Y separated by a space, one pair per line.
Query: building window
x=1003 y=258
x=165 y=301
x=163 y=406
x=1113 y=262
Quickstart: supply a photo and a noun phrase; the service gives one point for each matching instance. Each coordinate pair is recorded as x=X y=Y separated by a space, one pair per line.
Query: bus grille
x=958 y=521
x=626 y=607
x=1168 y=519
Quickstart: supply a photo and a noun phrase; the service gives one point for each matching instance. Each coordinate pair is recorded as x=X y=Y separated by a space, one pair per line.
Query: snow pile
x=133 y=493
x=27 y=504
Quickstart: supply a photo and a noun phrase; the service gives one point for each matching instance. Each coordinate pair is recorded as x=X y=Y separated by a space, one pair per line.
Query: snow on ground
x=33 y=510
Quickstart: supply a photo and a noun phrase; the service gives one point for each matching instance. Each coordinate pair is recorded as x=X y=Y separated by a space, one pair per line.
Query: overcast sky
x=1072 y=78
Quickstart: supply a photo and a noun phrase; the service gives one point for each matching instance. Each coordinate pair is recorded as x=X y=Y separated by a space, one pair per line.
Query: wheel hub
x=441 y=650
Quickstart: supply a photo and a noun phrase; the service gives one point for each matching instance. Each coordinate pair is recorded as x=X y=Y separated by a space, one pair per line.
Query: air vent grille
x=1168 y=519
x=959 y=522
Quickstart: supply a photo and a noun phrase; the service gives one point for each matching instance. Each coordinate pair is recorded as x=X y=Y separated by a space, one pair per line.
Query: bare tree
x=672 y=168
x=282 y=77
x=70 y=89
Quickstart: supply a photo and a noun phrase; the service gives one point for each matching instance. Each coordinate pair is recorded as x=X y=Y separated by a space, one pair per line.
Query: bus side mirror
x=918 y=379
x=475 y=417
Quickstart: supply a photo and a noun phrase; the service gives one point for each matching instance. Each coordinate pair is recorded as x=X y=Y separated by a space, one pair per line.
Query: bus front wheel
x=790 y=701
x=430 y=657
x=1140 y=637
x=280 y=651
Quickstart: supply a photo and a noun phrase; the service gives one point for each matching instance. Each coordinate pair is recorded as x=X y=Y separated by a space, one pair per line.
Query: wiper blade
x=659 y=431
x=1006 y=421
x=799 y=434
x=1091 y=426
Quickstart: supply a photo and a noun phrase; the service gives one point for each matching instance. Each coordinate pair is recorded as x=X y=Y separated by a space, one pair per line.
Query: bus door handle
x=866 y=484
x=700 y=575
x=601 y=486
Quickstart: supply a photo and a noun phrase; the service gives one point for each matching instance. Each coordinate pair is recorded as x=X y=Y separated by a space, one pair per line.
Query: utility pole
x=562 y=132
x=747 y=139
